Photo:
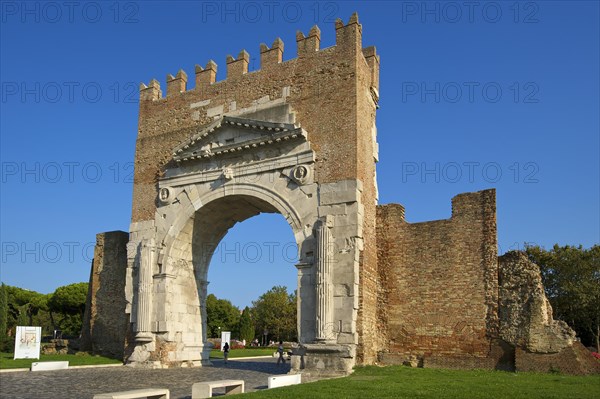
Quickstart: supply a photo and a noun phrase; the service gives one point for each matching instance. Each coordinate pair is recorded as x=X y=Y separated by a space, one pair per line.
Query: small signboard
x=27 y=342
x=225 y=337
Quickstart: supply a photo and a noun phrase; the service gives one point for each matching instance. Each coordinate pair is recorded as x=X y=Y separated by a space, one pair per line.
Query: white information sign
x=225 y=337
x=27 y=342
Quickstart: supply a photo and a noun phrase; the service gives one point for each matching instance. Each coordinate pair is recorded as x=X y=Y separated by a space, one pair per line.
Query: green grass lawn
x=404 y=382
x=7 y=362
x=233 y=353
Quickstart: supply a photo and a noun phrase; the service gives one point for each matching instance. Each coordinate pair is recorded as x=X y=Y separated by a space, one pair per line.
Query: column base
x=144 y=337
x=169 y=355
x=323 y=360
x=208 y=346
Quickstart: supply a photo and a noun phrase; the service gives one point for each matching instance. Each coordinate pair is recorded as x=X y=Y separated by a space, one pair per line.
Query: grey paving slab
x=85 y=383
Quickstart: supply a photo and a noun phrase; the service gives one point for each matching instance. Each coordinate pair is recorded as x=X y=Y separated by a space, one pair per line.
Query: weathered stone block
x=525 y=313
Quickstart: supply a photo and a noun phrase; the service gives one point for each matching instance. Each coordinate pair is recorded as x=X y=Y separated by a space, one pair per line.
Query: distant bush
x=233 y=344
x=7 y=344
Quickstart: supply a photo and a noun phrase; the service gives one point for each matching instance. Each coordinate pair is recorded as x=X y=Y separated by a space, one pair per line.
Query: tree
x=3 y=317
x=221 y=315
x=38 y=303
x=275 y=312
x=3 y=310
x=571 y=277
x=246 y=326
x=69 y=298
x=30 y=308
x=69 y=301
x=23 y=305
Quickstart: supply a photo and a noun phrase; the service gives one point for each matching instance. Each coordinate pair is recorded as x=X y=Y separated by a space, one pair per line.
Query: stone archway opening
x=181 y=277
x=253 y=258
x=227 y=172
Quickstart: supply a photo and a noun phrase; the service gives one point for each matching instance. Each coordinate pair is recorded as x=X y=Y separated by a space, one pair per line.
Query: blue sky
x=473 y=95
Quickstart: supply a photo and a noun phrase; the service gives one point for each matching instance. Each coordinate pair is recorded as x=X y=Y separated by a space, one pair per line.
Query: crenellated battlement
x=271 y=56
x=348 y=39
x=176 y=84
x=309 y=44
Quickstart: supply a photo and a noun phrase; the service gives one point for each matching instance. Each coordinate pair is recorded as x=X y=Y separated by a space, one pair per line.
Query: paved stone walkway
x=85 y=383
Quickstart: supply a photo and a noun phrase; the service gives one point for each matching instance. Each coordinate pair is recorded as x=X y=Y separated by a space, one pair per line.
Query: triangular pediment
x=232 y=134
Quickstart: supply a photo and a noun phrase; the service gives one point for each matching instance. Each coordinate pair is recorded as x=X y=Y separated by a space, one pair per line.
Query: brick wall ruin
x=439 y=281
x=448 y=301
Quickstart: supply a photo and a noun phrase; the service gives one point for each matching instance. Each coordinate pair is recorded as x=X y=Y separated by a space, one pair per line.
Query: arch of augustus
x=299 y=138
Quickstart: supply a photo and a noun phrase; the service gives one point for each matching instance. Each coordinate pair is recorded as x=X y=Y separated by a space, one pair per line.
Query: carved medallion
x=164 y=195
x=300 y=174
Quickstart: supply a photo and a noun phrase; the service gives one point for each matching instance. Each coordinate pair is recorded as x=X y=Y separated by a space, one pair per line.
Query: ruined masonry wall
x=575 y=359
x=525 y=312
x=439 y=282
x=105 y=321
x=541 y=343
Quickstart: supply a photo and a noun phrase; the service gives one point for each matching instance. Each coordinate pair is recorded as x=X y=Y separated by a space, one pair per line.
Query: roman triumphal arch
x=296 y=138
x=226 y=172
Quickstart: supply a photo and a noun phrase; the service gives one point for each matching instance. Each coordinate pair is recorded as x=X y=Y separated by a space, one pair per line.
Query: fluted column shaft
x=144 y=300
x=324 y=286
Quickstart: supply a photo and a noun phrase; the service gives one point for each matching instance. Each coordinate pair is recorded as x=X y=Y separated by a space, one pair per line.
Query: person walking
x=226 y=351
x=280 y=351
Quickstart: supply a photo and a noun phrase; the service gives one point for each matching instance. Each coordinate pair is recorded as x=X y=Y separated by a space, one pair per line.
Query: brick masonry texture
x=439 y=280
x=324 y=93
x=446 y=300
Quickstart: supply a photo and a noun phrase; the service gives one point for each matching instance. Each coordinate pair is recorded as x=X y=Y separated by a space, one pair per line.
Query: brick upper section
x=326 y=90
